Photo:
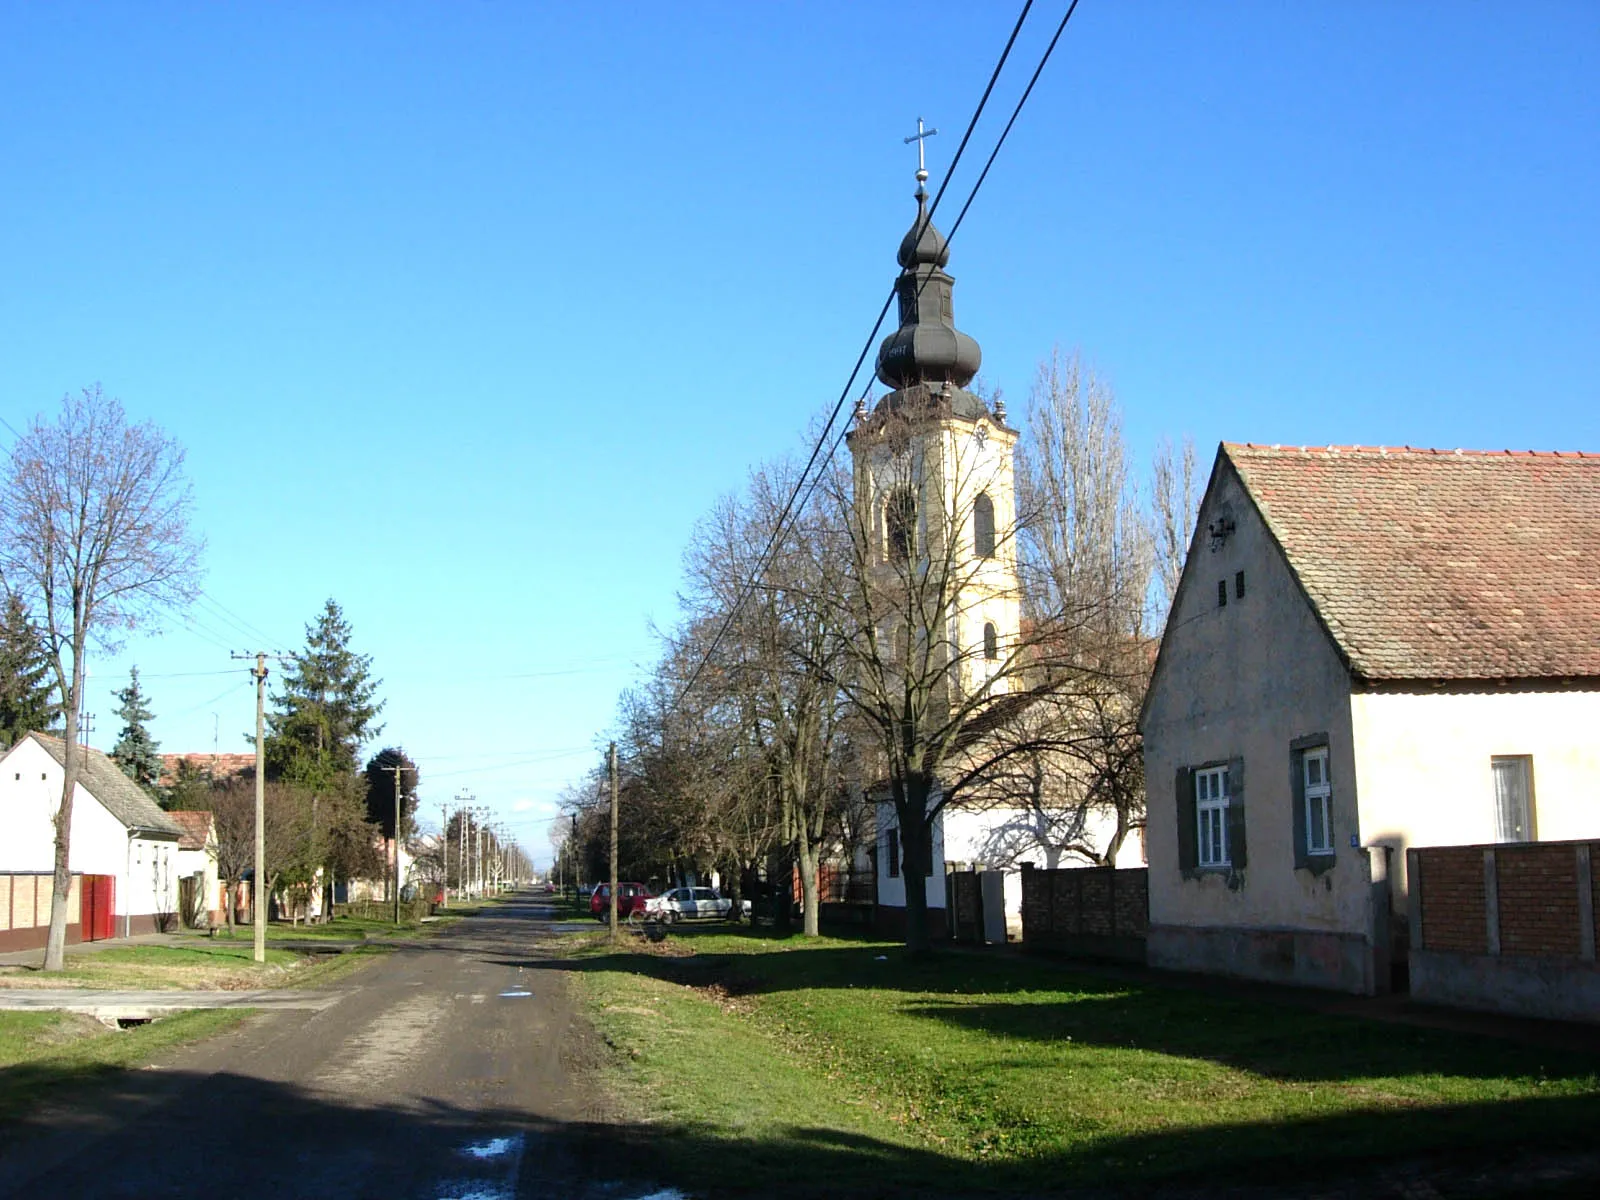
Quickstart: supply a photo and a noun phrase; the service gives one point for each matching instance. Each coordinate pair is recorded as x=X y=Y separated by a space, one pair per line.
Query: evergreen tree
x=326 y=709
x=136 y=752
x=380 y=790
x=27 y=700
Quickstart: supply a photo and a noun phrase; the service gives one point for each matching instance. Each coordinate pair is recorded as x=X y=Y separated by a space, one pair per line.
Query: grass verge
x=44 y=1055
x=744 y=1063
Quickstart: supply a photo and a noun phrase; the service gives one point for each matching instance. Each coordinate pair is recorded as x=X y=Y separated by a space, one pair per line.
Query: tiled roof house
x=1371 y=648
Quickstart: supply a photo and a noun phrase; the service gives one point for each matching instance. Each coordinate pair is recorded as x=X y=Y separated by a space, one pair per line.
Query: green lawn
x=204 y=963
x=739 y=1056
x=45 y=1054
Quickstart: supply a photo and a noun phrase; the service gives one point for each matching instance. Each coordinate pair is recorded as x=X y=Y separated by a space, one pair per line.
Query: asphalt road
x=442 y=1072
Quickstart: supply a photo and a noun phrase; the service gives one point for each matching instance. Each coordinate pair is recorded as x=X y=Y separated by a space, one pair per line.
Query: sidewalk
x=32 y=958
x=144 y=1005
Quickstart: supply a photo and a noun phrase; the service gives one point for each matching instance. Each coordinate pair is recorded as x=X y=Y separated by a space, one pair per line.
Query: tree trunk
x=55 y=946
x=806 y=859
x=916 y=851
x=780 y=879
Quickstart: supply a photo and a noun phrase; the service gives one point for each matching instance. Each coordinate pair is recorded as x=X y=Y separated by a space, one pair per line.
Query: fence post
x=1414 y=897
x=1491 y=904
x=1585 y=873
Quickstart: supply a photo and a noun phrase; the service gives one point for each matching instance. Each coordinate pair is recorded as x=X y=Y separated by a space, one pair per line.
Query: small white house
x=1370 y=649
x=200 y=891
x=989 y=838
x=118 y=835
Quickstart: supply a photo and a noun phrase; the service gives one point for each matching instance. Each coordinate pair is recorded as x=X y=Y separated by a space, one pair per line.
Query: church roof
x=1440 y=564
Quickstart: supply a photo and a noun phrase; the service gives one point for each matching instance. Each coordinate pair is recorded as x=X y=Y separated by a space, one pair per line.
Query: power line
x=228 y=616
x=827 y=429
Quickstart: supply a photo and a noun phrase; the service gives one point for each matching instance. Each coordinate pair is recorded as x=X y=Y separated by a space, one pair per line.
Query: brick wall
x=1080 y=908
x=1452 y=898
x=1538 y=900
x=1522 y=899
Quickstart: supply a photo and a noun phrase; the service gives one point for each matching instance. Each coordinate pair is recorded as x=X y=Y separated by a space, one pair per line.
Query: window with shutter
x=1237 y=849
x=1211 y=810
x=1188 y=841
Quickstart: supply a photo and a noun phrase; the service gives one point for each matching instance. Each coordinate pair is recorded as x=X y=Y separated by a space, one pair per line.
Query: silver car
x=689 y=904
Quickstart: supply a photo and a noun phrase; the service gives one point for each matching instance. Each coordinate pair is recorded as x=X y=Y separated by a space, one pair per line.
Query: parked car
x=629 y=897
x=689 y=904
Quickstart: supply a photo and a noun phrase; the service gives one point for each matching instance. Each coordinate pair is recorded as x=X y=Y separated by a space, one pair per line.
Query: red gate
x=98 y=915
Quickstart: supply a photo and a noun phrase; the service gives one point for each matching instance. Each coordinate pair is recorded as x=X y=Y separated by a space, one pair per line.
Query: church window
x=991 y=641
x=983 y=526
x=900 y=523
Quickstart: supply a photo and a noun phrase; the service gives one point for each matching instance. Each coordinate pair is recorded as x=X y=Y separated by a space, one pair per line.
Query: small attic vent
x=1222 y=593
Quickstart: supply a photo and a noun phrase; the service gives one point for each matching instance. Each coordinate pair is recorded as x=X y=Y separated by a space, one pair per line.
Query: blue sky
x=466 y=312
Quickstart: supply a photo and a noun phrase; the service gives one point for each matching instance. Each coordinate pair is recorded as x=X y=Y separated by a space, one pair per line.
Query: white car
x=689 y=904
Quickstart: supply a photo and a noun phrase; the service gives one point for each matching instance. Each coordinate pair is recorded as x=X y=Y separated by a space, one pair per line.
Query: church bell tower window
x=900 y=524
x=983 y=526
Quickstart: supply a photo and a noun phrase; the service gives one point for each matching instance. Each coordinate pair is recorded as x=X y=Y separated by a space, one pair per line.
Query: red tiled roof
x=1441 y=564
x=225 y=766
x=196 y=827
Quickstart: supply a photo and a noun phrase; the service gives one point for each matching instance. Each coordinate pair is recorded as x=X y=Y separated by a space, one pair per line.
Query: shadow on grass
x=1043 y=1005
x=267 y=1138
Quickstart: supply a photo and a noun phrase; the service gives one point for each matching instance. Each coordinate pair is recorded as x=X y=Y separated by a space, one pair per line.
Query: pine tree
x=136 y=752
x=326 y=709
x=380 y=790
x=27 y=701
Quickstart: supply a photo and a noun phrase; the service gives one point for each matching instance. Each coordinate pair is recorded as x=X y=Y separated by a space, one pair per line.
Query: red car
x=629 y=897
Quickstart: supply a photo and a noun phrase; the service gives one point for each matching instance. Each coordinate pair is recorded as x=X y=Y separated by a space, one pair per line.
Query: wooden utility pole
x=259 y=905
x=613 y=764
x=397 y=806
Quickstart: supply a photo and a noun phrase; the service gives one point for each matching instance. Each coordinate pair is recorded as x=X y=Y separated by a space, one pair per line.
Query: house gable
x=1247 y=676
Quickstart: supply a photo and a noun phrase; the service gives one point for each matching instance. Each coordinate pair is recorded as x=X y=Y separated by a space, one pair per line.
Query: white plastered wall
x=30 y=794
x=1423 y=764
x=892 y=891
x=1243 y=681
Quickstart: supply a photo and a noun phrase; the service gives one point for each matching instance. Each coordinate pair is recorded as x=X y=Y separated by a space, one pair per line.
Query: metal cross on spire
x=920 y=137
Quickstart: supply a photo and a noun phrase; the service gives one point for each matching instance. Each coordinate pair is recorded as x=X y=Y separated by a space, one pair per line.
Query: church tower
x=934 y=482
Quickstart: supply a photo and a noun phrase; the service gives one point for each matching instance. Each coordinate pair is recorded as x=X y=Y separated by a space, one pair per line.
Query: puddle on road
x=494 y=1147
x=514 y=994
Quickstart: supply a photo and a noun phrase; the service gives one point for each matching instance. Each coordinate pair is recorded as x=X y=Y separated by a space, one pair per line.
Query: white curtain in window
x=1511 y=801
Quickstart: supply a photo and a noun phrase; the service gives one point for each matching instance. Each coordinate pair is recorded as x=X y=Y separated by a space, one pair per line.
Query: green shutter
x=1297 y=801
x=1237 y=856
x=1188 y=836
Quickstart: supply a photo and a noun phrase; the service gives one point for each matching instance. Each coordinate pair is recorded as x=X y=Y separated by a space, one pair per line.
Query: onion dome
x=927 y=348
x=923 y=245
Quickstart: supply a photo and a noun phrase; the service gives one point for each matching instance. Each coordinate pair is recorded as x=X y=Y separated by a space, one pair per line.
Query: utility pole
x=260 y=902
x=463 y=817
x=397 y=806
x=613 y=763
x=444 y=849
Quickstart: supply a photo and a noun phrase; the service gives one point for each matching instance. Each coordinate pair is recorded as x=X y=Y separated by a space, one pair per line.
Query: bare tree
x=1076 y=787
x=287 y=833
x=1085 y=545
x=773 y=584
x=1175 y=505
x=936 y=652
x=95 y=536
